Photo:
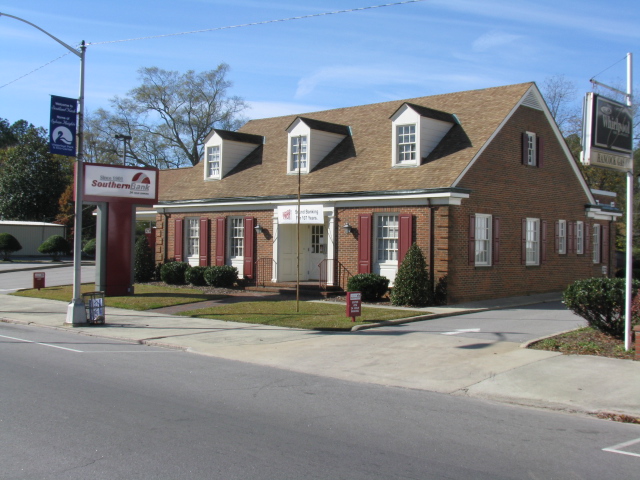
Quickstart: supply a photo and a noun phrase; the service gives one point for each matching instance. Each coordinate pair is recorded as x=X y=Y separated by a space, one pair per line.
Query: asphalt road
x=12 y=281
x=517 y=324
x=78 y=407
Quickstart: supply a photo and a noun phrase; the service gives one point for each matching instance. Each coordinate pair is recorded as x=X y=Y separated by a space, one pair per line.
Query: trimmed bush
x=143 y=263
x=221 y=276
x=90 y=248
x=412 y=285
x=195 y=276
x=371 y=285
x=440 y=292
x=8 y=245
x=55 y=246
x=173 y=273
x=600 y=301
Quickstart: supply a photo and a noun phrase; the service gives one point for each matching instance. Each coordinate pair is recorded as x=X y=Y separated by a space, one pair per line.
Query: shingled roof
x=362 y=161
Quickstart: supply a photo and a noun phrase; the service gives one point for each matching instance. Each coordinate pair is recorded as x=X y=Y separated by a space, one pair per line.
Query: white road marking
x=43 y=344
x=462 y=330
x=618 y=448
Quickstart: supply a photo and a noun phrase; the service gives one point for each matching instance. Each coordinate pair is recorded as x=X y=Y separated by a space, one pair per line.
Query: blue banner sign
x=62 y=126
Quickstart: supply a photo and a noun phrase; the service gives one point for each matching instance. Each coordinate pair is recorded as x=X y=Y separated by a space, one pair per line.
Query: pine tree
x=412 y=285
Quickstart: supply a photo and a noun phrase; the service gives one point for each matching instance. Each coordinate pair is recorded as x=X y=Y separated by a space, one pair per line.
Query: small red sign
x=38 y=280
x=354 y=305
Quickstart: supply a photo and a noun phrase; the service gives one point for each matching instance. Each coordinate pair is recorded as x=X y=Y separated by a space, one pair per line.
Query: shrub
x=412 y=285
x=143 y=263
x=222 y=276
x=90 y=248
x=440 y=292
x=600 y=301
x=195 y=276
x=371 y=285
x=173 y=273
x=8 y=245
x=55 y=246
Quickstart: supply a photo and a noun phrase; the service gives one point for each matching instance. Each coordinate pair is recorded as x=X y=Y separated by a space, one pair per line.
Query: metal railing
x=264 y=270
x=341 y=273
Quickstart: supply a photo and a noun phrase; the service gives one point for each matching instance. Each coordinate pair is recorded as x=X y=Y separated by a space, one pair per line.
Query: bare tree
x=168 y=117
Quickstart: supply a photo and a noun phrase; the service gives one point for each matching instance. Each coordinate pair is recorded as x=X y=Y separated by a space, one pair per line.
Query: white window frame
x=299 y=147
x=387 y=238
x=532 y=241
x=562 y=237
x=236 y=238
x=483 y=236
x=532 y=158
x=192 y=239
x=579 y=237
x=596 y=239
x=214 y=155
x=406 y=144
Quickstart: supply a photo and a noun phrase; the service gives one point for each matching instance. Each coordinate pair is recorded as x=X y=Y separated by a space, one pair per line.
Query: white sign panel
x=309 y=214
x=120 y=182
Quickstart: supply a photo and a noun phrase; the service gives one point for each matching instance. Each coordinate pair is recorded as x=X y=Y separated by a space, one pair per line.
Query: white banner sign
x=120 y=182
x=309 y=214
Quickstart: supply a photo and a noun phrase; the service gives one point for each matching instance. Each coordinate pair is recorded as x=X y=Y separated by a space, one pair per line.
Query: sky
x=321 y=62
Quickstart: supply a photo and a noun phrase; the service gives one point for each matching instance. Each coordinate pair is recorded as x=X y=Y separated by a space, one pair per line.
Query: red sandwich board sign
x=354 y=305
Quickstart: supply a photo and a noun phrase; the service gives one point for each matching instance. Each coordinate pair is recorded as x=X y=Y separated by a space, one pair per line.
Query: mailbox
x=38 y=280
x=354 y=305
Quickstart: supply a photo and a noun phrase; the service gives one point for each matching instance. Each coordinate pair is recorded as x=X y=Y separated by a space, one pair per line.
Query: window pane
x=237 y=237
x=193 y=237
x=406 y=143
x=483 y=239
x=387 y=238
x=213 y=159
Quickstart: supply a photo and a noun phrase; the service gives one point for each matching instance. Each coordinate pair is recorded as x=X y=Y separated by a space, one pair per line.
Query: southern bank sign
x=607 y=134
x=102 y=181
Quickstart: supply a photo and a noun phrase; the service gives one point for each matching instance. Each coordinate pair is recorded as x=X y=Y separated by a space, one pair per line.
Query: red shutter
x=364 y=243
x=571 y=229
x=472 y=239
x=557 y=236
x=178 y=235
x=604 y=255
x=204 y=242
x=543 y=241
x=496 y=241
x=405 y=235
x=540 y=152
x=221 y=236
x=249 y=242
x=523 y=260
x=525 y=148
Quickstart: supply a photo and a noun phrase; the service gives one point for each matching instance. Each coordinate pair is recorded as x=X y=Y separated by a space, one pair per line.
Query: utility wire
x=265 y=22
x=623 y=58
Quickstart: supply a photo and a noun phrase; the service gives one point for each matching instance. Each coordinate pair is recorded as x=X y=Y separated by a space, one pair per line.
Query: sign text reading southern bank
x=119 y=182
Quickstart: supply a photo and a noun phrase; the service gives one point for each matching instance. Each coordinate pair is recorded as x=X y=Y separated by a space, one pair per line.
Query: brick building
x=481 y=180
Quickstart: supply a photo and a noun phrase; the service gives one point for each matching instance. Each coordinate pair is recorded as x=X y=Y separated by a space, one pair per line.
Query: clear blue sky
x=368 y=56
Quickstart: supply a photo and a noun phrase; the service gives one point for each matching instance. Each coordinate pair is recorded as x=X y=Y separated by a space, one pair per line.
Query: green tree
x=412 y=285
x=168 y=117
x=144 y=266
x=8 y=245
x=55 y=246
x=32 y=179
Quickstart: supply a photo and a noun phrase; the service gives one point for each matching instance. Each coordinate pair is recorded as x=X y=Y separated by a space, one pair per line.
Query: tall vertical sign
x=62 y=126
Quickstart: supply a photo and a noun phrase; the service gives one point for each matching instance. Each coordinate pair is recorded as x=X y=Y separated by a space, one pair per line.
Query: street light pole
x=125 y=139
x=75 y=310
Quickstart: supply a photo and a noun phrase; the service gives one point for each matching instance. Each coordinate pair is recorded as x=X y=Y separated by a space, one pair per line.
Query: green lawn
x=312 y=315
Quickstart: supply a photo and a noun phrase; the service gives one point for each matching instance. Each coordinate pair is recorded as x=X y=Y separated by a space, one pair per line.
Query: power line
x=623 y=58
x=265 y=22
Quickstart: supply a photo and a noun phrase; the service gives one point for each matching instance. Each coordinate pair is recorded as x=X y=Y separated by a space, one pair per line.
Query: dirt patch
x=585 y=341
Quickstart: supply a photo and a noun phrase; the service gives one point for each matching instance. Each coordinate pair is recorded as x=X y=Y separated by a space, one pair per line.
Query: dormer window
x=417 y=131
x=310 y=141
x=299 y=154
x=406 y=144
x=213 y=161
x=224 y=150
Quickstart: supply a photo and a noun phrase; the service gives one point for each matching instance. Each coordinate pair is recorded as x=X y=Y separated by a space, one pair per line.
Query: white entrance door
x=288 y=252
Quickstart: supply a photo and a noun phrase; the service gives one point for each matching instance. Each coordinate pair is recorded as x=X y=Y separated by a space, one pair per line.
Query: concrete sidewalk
x=499 y=371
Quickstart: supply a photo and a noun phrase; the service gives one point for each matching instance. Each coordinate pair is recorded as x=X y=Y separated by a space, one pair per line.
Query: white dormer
x=224 y=150
x=416 y=132
x=310 y=141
